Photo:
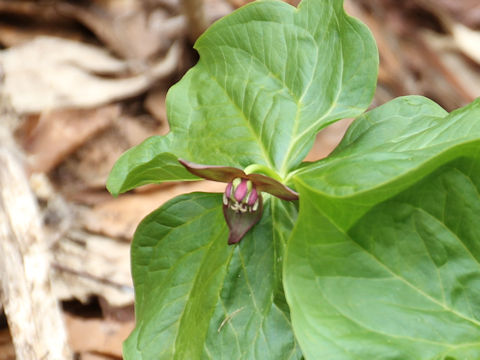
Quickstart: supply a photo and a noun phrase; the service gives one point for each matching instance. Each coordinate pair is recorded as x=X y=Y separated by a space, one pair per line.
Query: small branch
x=32 y=311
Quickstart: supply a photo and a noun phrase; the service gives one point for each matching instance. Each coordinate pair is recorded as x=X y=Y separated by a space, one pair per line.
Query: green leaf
x=197 y=297
x=401 y=280
x=150 y=162
x=388 y=149
x=270 y=76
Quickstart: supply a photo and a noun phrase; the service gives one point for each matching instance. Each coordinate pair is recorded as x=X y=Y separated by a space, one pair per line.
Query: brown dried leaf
x=465 y=11
x=155 y=103
x=95 y=356
x=133 y=32
x=7 y=351
x=468 y=41
x=90 y=165
x=97 y=335
x=51 y=73
x=60 y=133
x=119 y=217
x=328 y=139
x=460 y=78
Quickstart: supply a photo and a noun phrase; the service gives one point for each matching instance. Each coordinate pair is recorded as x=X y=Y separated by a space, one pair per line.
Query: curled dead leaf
x=51 y=73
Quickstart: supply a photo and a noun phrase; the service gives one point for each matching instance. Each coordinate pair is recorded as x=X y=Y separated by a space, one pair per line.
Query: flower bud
x=242 y=199
x=242 y=208
x=241 y=196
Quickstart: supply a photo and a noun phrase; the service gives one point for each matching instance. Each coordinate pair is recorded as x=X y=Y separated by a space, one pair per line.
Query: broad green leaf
x=148 y=166
x=197 y=297
x=386 y=150
x=401 y=280
x=270 y=76
x=402 y=283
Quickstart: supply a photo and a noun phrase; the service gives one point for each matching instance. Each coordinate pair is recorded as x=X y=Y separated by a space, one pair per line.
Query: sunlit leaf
x=199 y=298
x=269 y=77
x=384 y=260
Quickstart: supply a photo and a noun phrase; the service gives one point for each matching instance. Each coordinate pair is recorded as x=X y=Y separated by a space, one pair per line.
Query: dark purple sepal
x=242 y=200
x=273 y=187
x=213 y=172
x=240 y=222
x=228 y=173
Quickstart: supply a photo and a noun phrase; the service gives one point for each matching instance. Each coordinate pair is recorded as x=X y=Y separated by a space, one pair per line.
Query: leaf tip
x=112 y=187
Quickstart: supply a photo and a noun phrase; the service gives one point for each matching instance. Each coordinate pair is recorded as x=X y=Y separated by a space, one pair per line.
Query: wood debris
x=30 y=305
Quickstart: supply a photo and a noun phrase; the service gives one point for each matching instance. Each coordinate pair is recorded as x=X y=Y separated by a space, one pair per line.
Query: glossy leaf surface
x=384 y=260
x=269 y=77
x=395 y=145
x=197 y=297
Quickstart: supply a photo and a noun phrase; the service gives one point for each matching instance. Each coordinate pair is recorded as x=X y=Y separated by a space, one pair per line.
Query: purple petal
x=213 y=172
x=228 y=190
x=252 y=198
x=228 y=173
x=240 y=222
x=241 y=190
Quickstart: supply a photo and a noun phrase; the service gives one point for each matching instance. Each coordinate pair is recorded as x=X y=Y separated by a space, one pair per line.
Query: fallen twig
x=33 y=314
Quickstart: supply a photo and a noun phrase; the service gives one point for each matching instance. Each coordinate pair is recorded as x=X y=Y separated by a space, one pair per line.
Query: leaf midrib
x=181 y=318
x=410 y=338
x=296 y=137
x=264 y=150
x=298 y=176
x=395 y=275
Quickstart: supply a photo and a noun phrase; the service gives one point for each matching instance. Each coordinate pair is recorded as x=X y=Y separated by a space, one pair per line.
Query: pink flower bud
x=228 y=190
x=241 y=190
x=242 y=199
x=241 y=196
x=252 y=198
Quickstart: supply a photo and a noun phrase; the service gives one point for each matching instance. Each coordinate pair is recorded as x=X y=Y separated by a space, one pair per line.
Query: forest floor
x=83 y=81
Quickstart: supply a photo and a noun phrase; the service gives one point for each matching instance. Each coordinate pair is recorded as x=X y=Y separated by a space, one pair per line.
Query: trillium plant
x=242 y=200
x=370 y=253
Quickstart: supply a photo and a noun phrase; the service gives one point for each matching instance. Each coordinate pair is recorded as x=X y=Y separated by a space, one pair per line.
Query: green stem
x=257 y=168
